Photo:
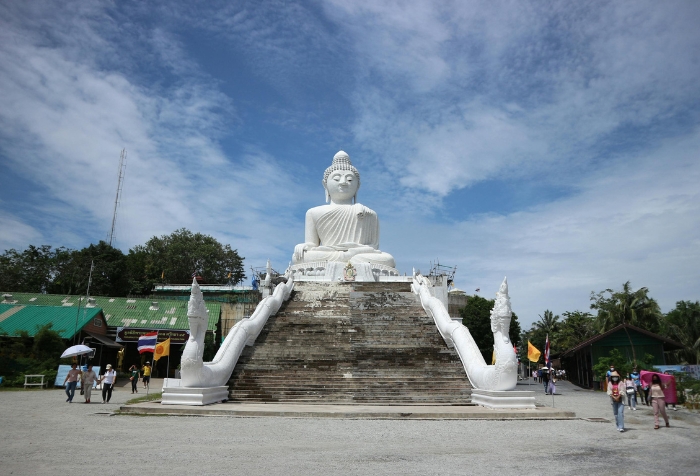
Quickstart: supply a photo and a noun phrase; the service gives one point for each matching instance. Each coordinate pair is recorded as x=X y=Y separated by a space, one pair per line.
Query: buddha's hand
x=361 y=210
x=299 y=251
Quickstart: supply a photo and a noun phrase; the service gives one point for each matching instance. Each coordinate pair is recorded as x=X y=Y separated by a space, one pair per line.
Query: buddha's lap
x=355 y=255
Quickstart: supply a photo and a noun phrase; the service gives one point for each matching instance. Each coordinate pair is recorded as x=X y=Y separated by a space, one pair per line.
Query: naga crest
x=196 y=307
x=501 y=312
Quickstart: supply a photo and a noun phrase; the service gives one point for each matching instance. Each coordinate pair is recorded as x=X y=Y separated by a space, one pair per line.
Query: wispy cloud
x=231 y=111
x=65 y=121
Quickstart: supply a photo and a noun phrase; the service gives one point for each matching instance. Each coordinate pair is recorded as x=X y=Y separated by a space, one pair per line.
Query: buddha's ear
x=328 y=196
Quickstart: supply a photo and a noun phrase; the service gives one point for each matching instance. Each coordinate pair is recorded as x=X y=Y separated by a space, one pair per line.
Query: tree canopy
x=625 y=306
x=169 y=258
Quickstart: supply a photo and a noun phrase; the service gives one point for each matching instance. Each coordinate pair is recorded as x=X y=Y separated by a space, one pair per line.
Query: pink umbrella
x=668 y=380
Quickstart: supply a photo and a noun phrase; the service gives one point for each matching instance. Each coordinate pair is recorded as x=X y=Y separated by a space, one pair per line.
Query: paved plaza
x=41 y=434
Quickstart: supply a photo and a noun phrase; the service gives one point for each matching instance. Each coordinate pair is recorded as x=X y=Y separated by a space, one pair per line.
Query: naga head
x=501 y=313
x=197 y=314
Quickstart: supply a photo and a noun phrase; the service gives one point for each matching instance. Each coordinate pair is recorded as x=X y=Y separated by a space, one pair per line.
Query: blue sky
x=553 y=143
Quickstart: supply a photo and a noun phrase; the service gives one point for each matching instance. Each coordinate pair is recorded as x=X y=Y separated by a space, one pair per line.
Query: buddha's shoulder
x=318 y=211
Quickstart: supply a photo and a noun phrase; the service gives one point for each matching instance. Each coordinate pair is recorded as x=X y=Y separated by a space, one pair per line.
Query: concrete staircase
x=350 y=343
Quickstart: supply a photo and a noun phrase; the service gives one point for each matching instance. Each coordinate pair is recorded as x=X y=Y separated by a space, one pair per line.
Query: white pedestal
x=504 y=399
x=174 y=394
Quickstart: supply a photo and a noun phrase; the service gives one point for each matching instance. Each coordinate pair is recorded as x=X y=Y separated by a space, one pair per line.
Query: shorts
x=147 y=379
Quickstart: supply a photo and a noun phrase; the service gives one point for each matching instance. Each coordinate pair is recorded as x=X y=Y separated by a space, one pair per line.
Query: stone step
x=377 y=332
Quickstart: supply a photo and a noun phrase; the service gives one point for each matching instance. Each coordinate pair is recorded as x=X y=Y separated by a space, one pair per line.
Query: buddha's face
x=342 y=185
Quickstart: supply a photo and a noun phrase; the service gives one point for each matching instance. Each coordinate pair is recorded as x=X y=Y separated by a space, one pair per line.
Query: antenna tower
x=120 y=183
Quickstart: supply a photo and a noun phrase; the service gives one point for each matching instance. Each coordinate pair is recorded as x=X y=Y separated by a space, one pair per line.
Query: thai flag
x=546 y=353
x=147 y=342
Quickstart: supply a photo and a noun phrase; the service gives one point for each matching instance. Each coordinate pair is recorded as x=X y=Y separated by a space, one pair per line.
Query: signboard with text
x=132 y=334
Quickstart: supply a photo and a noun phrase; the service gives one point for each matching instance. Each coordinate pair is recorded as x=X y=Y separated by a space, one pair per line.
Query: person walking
x=146 y=374
x=72 y=382
x=108 y=380
x=545 y=380
x=616 y=391
x=87 y=381
x=637 y=385
x=135 y=374
x=658 y=400
x=631 y=391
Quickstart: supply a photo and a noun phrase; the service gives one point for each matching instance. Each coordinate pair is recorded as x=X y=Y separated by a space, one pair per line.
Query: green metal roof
x=14 y=318
x=126 y=312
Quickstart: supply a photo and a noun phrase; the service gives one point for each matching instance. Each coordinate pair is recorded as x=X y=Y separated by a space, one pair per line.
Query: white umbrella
x=76 y=350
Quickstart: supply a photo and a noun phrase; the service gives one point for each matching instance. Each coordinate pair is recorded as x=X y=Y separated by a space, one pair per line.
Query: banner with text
x=132 y=334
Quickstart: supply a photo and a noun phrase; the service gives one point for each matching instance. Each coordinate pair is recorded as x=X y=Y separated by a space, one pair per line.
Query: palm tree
x=549 y=323
x=626 y=307
x=684 y=326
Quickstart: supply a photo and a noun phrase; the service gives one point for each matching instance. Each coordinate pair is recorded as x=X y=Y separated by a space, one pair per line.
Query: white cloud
x=64 y=122
x=636 y=220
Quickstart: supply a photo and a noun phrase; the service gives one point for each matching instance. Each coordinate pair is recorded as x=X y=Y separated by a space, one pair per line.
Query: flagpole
x=148 y=387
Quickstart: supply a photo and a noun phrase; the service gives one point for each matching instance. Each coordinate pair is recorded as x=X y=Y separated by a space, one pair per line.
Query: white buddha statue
x=343 y=230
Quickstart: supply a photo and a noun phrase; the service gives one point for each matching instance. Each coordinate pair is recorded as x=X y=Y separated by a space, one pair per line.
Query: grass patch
x=145 y=398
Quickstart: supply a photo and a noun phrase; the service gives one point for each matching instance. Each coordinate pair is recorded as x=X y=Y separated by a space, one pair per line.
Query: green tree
x=48 y=345
x=622 y=364
x=576 y=327
x=626 y=307
x=173 y=258
x=28 y=271
x=549 y=323
x=683 y=325
x=476 y=316
x=109 y=274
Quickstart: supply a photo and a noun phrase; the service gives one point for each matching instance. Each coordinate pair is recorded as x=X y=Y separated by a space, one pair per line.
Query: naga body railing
x=501 y=376
x=194 y=371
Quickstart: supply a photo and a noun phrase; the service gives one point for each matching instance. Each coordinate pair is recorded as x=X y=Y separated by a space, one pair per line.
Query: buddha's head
x=341 y=180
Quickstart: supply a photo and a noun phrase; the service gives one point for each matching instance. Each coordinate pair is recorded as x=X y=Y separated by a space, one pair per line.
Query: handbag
x=630 y=390
x=82 y=391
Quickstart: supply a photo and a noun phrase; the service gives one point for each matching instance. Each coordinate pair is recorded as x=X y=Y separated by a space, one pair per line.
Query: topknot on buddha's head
x=341 y=161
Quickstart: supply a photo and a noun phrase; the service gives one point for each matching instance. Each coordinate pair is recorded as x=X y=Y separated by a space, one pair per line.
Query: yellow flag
x=162 y=275
x=533 y=354
x=162 y=349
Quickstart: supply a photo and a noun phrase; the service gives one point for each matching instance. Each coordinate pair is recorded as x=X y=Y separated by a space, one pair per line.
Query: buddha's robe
x=346 y=233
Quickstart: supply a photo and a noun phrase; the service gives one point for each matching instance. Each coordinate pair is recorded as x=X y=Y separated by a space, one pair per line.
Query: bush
x=21 y=355
x=622 y=364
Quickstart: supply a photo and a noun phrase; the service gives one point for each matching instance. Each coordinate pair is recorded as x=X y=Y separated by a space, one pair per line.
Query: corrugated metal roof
x=205 y=288
x=31 y=318
x=126 y=312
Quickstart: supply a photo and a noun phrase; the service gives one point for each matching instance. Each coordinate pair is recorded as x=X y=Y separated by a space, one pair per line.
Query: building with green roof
x=126 y=319
x=64 y=320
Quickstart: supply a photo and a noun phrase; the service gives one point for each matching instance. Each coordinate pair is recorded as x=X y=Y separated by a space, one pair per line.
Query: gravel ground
x=41 y=434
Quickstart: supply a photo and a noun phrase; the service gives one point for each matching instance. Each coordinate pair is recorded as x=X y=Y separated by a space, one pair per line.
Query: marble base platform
x=334 y=271
x=174 y=394
x=520 y=399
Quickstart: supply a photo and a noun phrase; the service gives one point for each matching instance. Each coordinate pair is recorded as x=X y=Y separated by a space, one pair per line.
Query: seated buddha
x=343 y=230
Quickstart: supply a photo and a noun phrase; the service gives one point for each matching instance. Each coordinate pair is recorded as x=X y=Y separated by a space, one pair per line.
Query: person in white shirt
x=88 y=379
x=108 y=380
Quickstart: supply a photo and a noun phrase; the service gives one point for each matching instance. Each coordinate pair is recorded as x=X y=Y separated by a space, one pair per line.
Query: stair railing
x=197 y=373
x=501 y=376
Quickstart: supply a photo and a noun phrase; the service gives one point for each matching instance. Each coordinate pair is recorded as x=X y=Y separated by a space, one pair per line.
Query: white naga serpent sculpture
x=501 y=376
x=197 y=373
